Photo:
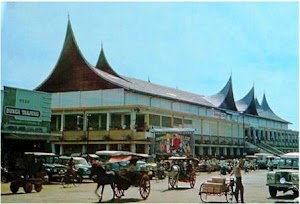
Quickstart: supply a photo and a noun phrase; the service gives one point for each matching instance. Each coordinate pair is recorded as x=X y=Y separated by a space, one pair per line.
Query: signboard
x=26 y=110
x=177 y=143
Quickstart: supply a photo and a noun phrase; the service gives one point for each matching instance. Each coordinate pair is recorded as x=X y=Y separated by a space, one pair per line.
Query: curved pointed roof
x=72 y=72
x=103 y=65
x=265 y=111
x=247 y=104
x=224 y=98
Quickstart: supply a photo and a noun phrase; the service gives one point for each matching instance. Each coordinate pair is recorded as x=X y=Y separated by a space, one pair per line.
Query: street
x=254 y=182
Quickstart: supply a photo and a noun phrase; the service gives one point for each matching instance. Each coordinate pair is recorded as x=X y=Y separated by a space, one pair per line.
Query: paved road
x=254 y=183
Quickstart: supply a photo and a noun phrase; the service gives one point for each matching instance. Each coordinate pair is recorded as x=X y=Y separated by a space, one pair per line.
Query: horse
x=102 y=178
x=173 y=175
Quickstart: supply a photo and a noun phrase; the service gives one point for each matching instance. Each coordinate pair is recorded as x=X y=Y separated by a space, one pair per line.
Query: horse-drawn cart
x=217 y=186
x=135 y=177
x=121 y=178
x=181 y=169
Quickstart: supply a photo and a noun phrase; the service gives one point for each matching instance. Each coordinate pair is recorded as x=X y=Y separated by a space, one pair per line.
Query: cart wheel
x=229 y=195
x=27 y=187
x=14 y=187
x=118 y=191
x=145 y=187
x=203 y=195
x=192 y=180
x=38 y=187
x=172 y=181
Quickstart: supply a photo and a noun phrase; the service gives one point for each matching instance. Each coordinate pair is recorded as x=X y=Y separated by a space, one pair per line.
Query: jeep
x=286 y=176
x=49 y=164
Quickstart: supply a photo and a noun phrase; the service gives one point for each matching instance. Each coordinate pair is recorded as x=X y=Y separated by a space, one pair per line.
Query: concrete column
x=83 y=149
x=61 y=149
x=147 y=149
x=108 y=121
x=62 y=122
x=225 y=151
x=132 y=120
x=122 y=120
x=201 y=151
x=107 y=147
x=133 y=148
x=53 y=148
x=217 y=151
x=209 y=151
x=238 y=151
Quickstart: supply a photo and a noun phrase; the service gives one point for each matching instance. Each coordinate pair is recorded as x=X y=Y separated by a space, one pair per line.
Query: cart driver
x=132 y=170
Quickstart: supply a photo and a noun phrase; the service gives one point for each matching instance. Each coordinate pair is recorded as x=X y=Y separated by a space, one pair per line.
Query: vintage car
x=47 y=162
x=82 y=166
x=286 y=176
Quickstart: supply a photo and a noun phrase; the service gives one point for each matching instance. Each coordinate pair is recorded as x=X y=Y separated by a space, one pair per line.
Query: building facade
x=95 y=108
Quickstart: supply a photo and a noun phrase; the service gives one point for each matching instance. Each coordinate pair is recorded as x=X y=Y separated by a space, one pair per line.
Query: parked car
x=286 y=176
x=82 y=166
x=48 y=162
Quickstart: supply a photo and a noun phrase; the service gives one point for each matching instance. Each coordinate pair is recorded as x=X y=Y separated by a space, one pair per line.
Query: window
x=187 y=122
x=154 y=120
x=55 y=122
x=115 y=121
x=166 y=121
x=177 y=122
x=73 y=122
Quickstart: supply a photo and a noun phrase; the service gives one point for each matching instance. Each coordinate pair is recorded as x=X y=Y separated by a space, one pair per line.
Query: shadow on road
x=124 y=200
x=176 y=189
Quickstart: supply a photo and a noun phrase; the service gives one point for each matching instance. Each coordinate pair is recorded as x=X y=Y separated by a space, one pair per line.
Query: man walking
x=239 y=186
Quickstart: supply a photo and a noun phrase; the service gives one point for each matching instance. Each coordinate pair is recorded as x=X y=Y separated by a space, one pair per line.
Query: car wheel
x=272 y=191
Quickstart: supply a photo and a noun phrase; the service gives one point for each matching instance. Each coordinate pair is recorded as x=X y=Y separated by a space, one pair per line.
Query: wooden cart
x=27 y=184
x=217 y=186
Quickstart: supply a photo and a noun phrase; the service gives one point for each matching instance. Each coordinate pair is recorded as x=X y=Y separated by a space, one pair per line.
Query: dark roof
x=247 y=104
x=103 y=65
x=224 y=99
x=265 y=111
x=72 y=72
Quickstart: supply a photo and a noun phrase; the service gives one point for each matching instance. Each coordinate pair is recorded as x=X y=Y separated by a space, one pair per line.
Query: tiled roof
x=153 y=89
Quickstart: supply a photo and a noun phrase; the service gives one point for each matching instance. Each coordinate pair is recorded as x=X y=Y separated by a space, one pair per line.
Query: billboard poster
x=175 y=143
x=26 y=110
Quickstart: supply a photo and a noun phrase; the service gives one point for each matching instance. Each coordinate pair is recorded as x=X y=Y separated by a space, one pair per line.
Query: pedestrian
x=270 y=164
x=239 y=185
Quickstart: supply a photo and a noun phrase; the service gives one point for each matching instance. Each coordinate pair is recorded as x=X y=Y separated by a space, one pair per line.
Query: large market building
x=95 y=108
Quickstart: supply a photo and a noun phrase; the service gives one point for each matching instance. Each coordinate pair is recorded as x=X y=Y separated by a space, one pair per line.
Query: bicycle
x=69 y=179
